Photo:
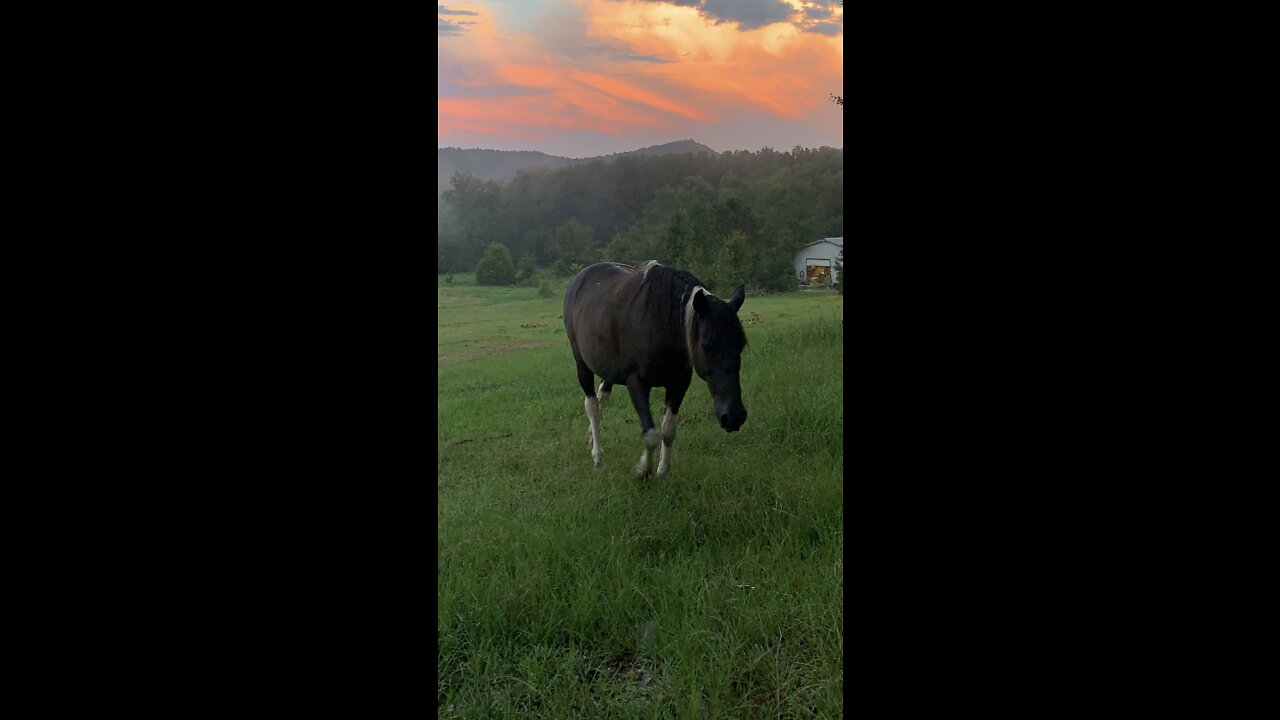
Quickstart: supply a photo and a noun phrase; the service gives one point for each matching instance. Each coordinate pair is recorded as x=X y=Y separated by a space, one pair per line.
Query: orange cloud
x=531 y=76
x=624 y=68
x=629 y=91
x=777 y=67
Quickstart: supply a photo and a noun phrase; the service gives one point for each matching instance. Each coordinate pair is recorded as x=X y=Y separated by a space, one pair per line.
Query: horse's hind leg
x=592 y=405
x=605 y=388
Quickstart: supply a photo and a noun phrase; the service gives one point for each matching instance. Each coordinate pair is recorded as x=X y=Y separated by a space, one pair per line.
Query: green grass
x=714 y=591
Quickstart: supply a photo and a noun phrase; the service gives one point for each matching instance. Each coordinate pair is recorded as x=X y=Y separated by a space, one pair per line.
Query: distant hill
x=501 y=165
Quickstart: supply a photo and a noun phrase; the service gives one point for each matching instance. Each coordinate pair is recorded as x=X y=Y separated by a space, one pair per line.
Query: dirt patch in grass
x=642 y=686
x=458 y=352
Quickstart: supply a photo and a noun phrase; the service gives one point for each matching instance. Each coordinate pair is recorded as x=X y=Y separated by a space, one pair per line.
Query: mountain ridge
x=502 y=165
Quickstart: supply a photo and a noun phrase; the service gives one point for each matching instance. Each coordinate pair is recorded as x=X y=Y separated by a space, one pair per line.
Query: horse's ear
x=700 y=304
x=738 y=296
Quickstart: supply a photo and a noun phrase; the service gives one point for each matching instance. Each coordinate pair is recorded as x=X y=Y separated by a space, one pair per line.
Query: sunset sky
x=591 y=77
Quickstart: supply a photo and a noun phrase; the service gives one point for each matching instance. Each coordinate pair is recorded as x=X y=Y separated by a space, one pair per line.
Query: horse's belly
x=608 y=368
x=652 y=371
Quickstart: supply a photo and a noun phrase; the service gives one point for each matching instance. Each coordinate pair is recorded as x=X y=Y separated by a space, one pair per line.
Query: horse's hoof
x=642 y=471
x=663 y=470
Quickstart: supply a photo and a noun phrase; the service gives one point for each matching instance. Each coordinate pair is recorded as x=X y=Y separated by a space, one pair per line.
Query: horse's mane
x=670 y=292
x=668 y=289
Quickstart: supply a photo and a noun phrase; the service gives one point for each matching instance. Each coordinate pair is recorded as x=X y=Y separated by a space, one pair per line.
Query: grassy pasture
x=715 y=591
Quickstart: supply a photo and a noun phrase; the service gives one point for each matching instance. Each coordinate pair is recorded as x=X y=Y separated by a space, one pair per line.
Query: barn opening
x=817 y=271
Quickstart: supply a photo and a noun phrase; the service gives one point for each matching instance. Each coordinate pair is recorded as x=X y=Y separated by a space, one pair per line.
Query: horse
x=653 y=326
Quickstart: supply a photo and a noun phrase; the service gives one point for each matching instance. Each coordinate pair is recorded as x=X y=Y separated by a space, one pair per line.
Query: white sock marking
x=646 y=458
x=668 y=437
x=593 y=419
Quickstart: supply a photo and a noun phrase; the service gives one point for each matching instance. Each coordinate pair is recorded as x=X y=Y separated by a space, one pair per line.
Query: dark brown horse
x=647 y=327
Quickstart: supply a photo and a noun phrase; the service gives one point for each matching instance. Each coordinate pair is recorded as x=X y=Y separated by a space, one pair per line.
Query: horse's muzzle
x=731 y=421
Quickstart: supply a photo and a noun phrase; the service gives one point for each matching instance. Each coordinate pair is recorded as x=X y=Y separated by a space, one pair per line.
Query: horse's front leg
x=675 y=396
x=640 y=398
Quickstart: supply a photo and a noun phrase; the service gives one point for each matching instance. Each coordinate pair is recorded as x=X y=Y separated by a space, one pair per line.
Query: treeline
x=729 y=218
x=502 y=165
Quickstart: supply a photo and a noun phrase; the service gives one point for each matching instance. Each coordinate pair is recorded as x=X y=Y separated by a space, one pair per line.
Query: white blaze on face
x=593 y=418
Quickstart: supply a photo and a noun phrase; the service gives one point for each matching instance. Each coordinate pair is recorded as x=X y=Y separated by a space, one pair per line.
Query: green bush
x=544 y=289
x=525 y=268
x=496 y=268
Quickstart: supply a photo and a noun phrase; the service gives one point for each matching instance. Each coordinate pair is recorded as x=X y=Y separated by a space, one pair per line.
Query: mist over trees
x=728 y=218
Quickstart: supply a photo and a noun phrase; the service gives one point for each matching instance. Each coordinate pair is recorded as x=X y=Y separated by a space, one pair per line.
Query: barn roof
x=838 y=241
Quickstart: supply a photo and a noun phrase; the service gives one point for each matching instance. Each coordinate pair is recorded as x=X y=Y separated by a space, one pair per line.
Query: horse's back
x=599 y=272
x=589 y=286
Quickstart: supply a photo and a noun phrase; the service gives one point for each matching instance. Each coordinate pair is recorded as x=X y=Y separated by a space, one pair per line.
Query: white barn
x=816 y=262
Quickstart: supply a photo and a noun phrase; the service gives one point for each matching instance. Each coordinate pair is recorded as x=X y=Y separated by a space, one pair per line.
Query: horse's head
x=716 y=342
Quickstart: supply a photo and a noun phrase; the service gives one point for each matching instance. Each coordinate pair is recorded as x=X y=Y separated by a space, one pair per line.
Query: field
x=714 y=591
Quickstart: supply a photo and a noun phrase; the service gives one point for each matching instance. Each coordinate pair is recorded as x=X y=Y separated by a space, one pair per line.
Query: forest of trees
x=728 y=218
